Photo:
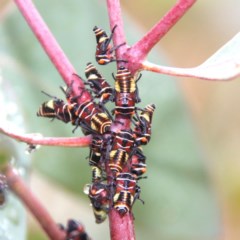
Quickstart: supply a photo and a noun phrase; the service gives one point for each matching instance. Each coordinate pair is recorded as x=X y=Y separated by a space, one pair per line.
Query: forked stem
x=38 y=139
x=51 y=46
x=115 y=19
x=139 y=51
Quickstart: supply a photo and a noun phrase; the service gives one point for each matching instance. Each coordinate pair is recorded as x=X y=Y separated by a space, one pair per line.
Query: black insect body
x=84 y=113
x=100 y=123
x=117 y=160
x=100 y=214
x=138 y=163
x=121 y=148
x=56 y=108
x=98 y=194
x=143 y=126
x=95 y=158
x=99 y=86
x=104 y=50
x=127 y=191
x=87 y=115
x=126 y=93
x=90 y=117
x=95 y=151
x=123 y=139
x=75 y=231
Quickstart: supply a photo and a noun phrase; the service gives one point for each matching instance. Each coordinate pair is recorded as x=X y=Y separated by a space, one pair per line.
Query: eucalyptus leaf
x=222 y=65
x=12 y=212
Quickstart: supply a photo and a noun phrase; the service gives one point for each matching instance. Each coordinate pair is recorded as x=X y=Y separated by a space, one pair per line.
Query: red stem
x=51 y=47
x=121 y=228
x=115 y=18
x=38 y=139
x=140 y=50
x=24 y=193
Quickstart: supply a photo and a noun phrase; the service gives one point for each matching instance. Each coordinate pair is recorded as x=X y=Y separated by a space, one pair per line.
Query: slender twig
x=140 y=50
x=17 y=185
x=115 y=18
x=38 y=139
x=219 y=72
x=51 y=47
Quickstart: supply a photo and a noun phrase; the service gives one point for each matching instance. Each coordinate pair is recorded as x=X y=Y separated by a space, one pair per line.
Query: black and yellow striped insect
x=56 y=108
x=138 y=164
x=121 y=147
x=123 y=139
x=127 y=191
x=117 y=159
x=100 y=123
x=126 y=92
x=104 y=50
x=87 y=115
x=98 y=194
x=99 y=86
x=95 y=150
x=75 y=230
x=143 y=125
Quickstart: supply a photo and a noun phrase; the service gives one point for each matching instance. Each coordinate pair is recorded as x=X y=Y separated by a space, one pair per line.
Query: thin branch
x=18 y=186
x=140 y=50
x=218 y=72
x=50 y=45
x=115 y=18
x=38 y=139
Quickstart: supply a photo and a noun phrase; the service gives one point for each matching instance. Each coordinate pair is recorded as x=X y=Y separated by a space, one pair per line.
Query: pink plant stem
x=115 y=18
x=121 y=228
x=38 y=139
x=50 y=45
x=140 y=50
x=18 y=186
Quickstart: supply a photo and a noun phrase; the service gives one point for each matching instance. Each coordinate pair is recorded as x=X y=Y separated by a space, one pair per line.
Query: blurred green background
x=193 y=190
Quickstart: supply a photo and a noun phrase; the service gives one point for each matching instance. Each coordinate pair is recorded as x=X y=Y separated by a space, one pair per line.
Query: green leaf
x=12 y=212
x=179 y=201
x=222 y=65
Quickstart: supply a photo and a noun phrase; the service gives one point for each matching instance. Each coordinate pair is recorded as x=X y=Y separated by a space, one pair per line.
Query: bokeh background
x=193 y=187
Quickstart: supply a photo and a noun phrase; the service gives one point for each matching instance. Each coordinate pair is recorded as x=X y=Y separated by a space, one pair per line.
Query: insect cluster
x=116 y=157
